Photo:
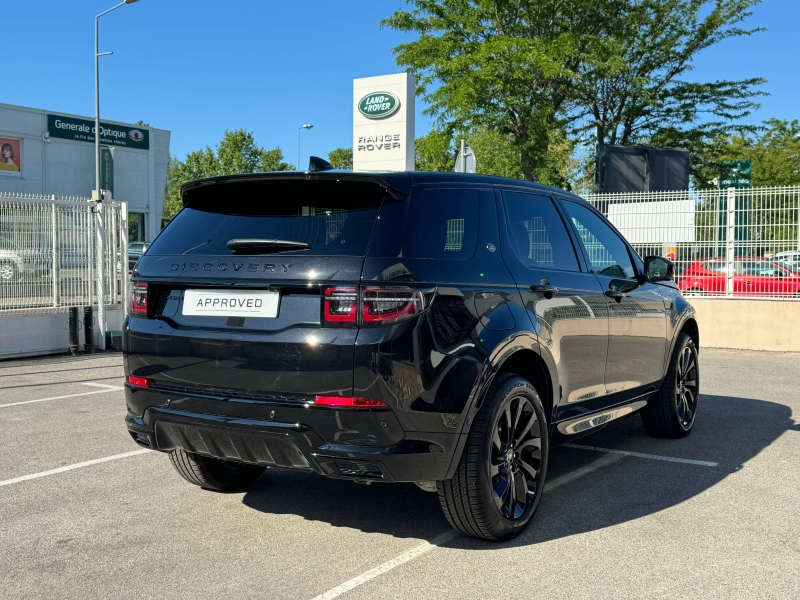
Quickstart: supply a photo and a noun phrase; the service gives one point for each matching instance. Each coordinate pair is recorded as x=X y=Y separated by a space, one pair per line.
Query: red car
x=752 y=277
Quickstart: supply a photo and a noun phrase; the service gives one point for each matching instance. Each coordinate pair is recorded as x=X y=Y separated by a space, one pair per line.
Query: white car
x=789 y=259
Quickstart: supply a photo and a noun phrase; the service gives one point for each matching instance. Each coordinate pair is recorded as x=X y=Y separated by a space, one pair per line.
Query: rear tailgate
x=287 y=352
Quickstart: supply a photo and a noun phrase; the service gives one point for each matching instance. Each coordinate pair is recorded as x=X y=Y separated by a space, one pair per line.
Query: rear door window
x=442 y=224
x=537 y=232
x=335 y=218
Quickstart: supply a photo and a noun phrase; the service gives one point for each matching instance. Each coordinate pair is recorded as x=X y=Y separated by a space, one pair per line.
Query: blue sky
x=199 y=67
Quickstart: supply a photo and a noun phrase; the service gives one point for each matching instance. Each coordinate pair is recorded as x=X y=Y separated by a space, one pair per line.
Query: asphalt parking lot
x=85 y=513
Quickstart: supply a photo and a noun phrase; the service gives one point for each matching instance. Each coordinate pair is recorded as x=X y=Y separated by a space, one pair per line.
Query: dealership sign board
x=383 y=123
x=71 y=128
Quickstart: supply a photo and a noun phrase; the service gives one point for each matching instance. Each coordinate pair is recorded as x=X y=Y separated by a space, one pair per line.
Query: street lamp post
x=299 y=129
x=98 y=196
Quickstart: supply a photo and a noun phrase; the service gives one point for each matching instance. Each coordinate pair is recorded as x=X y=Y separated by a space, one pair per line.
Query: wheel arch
x=530 y=365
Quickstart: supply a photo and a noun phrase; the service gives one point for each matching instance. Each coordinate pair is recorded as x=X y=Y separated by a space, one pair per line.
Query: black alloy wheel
x=213 y=473
x=672 y=411
x=686 y=386
x=500 y=477
x=516 y=458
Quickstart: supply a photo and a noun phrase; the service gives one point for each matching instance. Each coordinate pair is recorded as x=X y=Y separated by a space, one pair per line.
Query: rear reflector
x=138 y=381
x=349 y=402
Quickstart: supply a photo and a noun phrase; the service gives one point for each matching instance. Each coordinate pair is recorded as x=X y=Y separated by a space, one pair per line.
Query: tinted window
x=537 y=232
x=760 y=268
x=716 y=266
x=335 y=218
x=607 y=253
x=442 y=224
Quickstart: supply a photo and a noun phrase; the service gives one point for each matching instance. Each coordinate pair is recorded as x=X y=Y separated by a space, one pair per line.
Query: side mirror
x=658 y=268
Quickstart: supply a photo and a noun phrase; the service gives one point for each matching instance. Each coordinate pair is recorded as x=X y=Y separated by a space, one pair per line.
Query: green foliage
x=435 y=152
x=646 y=96
x=774 y=149
x=495 y=153
x=142 y=123
x=236 y=153
x=544 y=71
x=505 y=66
x=341 y=158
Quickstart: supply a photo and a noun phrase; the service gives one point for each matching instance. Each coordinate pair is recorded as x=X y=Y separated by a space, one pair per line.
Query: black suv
x=437 y=328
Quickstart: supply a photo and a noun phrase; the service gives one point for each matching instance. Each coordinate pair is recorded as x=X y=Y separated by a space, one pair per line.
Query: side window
x=608 y=254
x=716 y=266
x=537 y=232
x=442 y=224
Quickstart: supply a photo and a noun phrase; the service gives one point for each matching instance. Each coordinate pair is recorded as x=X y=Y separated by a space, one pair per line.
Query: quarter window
x=537 y=232
x=442 y=224
x=607 y=253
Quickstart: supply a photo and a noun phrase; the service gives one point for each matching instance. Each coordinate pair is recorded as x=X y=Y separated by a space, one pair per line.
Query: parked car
x=17 y=262
x=752 y=277
x=135 y=251
x=138 y=247
x=789 y=259
x=437 y=328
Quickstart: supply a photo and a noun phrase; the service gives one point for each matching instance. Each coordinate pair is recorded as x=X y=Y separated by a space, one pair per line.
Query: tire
x=672 y=411
x=8 y=272
x=696 y=292
x=477 y=500
x=214 y=474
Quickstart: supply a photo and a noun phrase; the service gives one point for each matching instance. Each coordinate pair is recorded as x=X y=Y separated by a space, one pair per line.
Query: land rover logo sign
x=378 y=105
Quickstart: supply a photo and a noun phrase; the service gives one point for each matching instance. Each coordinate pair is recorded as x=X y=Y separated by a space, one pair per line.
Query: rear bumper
x=340 y=443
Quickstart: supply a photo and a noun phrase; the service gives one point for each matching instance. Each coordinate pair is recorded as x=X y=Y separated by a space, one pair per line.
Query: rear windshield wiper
x=262 y=246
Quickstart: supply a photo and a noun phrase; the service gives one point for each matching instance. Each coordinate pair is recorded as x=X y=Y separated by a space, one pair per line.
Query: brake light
x=340 y=305
x=138 y=299
x=138 y=381
x=349 y=402
x=385 y=305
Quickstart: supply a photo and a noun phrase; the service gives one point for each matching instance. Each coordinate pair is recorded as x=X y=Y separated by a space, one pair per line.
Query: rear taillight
x=385 y=305
x=349 y=402
x=138 y=303
x=138 y=381
x=340 y=305
x=378 y=305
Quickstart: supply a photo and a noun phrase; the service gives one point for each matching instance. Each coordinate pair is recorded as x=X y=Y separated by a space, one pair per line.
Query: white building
x=46 y=152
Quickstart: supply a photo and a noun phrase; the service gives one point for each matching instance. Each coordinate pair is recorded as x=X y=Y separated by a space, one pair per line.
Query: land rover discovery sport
x=437 y=328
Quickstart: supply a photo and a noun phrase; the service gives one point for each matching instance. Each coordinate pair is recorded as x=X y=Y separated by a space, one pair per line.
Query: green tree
x=435 y=152
x=774 y=149
x=646 y=97
x=236 y=153
x=341 y=158
x=506 y=66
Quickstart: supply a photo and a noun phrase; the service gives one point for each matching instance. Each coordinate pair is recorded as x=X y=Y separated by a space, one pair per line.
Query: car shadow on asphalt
x=729 y=431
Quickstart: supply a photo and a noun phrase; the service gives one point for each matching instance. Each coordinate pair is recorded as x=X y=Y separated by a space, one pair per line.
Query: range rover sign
x=379 y=105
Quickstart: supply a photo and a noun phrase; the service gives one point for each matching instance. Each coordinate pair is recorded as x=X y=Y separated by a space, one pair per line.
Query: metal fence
x=49 y=249
x=726 y=243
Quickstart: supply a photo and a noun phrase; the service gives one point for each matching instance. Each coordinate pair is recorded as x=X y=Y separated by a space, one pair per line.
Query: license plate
x=239 y=303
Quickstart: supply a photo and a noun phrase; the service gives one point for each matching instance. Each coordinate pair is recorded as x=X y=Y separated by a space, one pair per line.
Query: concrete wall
x=748 y=324
x=31 y=335
x=66 y=167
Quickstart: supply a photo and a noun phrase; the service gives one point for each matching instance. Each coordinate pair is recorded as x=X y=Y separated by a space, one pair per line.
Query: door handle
x=545 y=288
x=616 y=295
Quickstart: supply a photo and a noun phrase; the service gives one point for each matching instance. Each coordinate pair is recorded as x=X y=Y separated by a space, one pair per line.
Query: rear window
x=335 y=218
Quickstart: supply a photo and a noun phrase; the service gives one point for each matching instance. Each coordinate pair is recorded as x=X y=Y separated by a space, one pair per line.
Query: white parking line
x=88 y=463
x=424 y=547
x=685 y=461
x=103 y=385
x=110 y=388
